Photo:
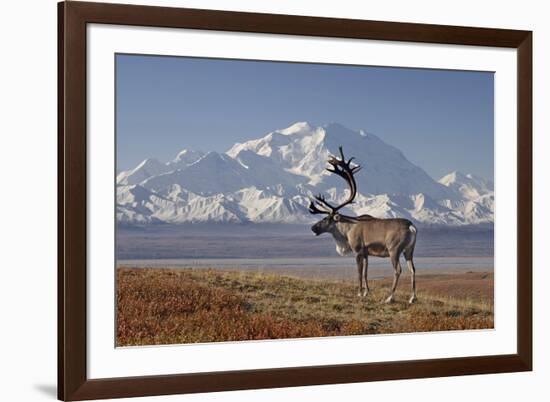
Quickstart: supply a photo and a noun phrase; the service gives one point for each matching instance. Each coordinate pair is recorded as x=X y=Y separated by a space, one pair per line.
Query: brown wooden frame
x=73 y=383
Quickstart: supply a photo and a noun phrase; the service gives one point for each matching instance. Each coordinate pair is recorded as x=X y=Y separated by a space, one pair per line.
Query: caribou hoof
x=389 y=299
x=412 y=299
x=365 y=293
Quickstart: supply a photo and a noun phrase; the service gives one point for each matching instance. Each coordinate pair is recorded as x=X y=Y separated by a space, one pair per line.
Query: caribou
x=365 y=235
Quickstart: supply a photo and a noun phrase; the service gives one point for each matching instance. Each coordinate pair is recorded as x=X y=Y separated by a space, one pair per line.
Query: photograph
x=261 y=200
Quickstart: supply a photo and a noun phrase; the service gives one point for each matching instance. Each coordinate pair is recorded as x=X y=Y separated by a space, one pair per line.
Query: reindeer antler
x=314 y=209
x=341 y=168
x=320 y=201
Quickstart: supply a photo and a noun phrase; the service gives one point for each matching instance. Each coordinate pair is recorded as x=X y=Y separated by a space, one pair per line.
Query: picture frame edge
x=525 y=198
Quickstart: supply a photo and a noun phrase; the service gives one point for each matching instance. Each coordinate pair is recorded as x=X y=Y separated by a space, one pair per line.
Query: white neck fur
x=342 y=245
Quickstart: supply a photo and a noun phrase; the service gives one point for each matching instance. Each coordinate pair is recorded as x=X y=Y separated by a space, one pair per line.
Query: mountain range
x=272 y=179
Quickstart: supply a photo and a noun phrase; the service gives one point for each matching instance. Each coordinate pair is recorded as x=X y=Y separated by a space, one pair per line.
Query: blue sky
x=441 y=120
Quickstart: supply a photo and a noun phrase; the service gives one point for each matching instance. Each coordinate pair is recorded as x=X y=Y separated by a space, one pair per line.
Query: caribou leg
x=365 y=269
x=359 y=260
x=396 y=272
x=408 y=253
x=410 y=265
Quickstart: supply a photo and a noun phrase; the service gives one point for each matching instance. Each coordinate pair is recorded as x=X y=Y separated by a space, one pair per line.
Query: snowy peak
x=186 y=157
x=303 y=149
x=212 y=173
x=152 y=167
x=274 y=140
x=297 y=128
x=148 y=168
x=469 y=186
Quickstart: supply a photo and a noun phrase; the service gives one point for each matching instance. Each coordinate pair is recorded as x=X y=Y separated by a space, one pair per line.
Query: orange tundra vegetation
x=168 y=306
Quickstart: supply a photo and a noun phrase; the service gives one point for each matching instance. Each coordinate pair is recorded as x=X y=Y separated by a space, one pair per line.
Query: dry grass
x=163 y=306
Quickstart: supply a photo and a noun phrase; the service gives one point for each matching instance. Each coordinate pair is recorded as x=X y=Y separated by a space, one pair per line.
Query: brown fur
x=368 y=236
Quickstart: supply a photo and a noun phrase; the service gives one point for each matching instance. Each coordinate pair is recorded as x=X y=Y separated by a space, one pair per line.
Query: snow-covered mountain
x=272 y=178
x=152 y=167
x=303 y=150
x=468 y=185
x=147 y=168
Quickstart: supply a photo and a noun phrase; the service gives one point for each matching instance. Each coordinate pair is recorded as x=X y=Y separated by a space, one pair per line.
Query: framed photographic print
x=253 y=200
